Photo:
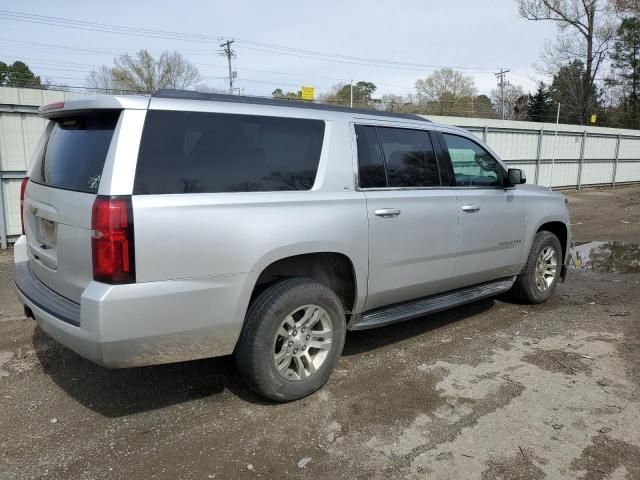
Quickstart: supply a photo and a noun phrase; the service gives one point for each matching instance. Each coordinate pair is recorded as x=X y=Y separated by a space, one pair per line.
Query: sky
x=407 y=38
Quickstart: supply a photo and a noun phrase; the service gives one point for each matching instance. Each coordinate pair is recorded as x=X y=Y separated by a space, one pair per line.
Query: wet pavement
x=607 y=257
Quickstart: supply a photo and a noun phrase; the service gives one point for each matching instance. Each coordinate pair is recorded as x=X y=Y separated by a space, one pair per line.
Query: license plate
x=46 y=233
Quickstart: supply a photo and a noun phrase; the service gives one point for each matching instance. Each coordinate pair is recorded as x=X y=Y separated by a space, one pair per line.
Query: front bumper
x=144 y=323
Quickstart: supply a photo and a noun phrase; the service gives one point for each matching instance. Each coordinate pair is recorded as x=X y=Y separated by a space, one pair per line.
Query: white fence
x=583 y=155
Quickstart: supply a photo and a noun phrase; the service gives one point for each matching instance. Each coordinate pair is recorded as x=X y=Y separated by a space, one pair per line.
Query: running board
x=423 y=306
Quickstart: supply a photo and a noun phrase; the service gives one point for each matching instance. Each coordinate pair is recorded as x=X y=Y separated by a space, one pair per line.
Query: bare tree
x=512 y=94
x=628 y=6
x=445 y=89
x=204 y=88
x=144 y=74
x=101 y=80
x=585 y=30
x=176 y=71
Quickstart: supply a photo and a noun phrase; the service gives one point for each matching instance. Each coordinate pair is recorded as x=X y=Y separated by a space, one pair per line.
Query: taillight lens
x=112 y=240
x=23 y=187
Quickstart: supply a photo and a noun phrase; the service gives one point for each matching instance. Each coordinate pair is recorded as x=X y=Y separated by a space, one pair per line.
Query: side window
x=409 y=156
x=472 y=164
x=198 y=152
x=371 y=171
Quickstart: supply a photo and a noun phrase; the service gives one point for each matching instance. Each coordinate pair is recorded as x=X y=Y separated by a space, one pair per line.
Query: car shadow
x=362 y=341
x=123 y=392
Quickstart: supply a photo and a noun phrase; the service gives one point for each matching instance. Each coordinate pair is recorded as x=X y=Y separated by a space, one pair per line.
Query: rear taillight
x=112 y=240
x=23 y=187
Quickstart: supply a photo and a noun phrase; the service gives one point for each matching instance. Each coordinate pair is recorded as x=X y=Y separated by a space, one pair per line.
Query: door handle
x=387 y=212
x=470 y=208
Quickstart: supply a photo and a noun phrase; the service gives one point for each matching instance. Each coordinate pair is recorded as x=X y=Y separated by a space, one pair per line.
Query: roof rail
x=218 y=97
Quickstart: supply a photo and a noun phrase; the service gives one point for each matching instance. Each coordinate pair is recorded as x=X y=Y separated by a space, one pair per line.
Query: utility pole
x=555 y=143
x=351 y=96
x=501 y=83
x=229 y=53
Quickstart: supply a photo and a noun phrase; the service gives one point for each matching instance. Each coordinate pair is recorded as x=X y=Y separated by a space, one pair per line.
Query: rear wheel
x=292 y=339
x=538 y=279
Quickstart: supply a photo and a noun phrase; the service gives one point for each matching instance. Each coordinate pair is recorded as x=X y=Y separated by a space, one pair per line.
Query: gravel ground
x=492 y=390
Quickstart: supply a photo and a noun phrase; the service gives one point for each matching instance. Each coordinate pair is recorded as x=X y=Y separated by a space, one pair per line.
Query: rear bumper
x=141 y=324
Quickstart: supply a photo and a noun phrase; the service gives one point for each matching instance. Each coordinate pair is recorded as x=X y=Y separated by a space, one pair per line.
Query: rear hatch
x=59 y=197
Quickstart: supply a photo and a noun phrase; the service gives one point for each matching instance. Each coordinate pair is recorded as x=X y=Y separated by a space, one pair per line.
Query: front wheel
x=538 y=279
x=292 y=339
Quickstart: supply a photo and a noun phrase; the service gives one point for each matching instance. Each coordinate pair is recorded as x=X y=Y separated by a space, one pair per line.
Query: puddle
x=610 y=257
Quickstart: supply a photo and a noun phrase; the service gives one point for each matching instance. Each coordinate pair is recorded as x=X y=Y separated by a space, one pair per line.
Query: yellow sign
x=308 y=93
x=593 y=118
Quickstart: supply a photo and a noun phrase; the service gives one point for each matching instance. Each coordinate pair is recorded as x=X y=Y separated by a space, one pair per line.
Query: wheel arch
x=334 y=269
x=560 y=230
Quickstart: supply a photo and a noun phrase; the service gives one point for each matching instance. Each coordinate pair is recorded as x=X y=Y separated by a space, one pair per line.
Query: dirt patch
x=559 y=361
x=605 y=214
x=605 y=456
x=517 y=467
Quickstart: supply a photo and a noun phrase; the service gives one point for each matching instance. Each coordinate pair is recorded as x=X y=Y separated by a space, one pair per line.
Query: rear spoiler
x=98 y=102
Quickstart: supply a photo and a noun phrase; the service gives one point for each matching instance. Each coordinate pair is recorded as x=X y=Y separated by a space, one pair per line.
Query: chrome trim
x=387 y=212
x=470 y=208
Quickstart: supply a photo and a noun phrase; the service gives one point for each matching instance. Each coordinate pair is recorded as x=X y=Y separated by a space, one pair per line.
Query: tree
x=482 y=107
x=444 y=90
x=18 y=74
x=567 y=89
x=520 y=108
x=362 y=94
x=625 y=64
x=628 y=6
x=392 y=102
x=3 y=72
x=144 y=74
x=279 y=93
x=340 y=94
x=204 y=88
x=540 y=106
x=507 y=101
x=585 y=29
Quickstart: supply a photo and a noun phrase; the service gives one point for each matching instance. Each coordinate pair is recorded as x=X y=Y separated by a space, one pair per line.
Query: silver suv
x=192 y=225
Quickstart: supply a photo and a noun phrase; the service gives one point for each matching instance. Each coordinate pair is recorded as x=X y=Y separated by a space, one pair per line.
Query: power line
x=198 y=38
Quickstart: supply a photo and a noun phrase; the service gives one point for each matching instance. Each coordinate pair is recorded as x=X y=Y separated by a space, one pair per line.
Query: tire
x=527 y=287
x=279 y=322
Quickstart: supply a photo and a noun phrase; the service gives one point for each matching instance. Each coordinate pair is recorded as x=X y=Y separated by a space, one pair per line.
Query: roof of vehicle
x=217 y=97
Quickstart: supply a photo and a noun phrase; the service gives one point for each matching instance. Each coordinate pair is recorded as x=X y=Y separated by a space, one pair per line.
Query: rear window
x=74 y=153
x=196 y=152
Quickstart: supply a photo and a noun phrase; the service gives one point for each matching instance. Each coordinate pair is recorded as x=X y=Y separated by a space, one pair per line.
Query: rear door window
x=75 y=151
x=410 y=159
x=199 y=152
x=395 y=157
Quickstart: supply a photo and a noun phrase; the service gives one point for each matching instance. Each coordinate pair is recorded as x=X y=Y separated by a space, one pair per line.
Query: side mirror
x=515 y=176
